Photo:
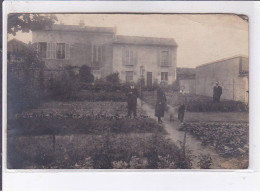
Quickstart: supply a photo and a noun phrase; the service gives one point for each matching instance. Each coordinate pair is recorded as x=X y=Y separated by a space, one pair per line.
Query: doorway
x=149 y=78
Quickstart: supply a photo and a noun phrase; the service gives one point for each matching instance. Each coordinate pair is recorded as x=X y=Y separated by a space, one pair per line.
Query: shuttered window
x=97 y=53
x=164 y=58
x=129 y=57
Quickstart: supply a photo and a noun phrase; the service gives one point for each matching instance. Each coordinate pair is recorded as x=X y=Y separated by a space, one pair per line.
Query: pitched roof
x=245 y=58
x=63 y=27
x=17 y=41
x=144 y=40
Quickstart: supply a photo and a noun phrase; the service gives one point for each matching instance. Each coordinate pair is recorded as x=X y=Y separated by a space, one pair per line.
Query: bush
x=65 y=86
x=205 y=161
x=94 y=96
x=113 y=78
x=22 y=94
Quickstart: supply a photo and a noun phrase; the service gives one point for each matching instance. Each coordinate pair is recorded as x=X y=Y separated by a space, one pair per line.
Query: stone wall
x=226 y=72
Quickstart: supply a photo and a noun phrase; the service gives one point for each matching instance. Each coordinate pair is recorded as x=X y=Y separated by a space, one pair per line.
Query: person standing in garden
x=132 y=95
x=182 y=105
x=160 y=104
x=217 y=92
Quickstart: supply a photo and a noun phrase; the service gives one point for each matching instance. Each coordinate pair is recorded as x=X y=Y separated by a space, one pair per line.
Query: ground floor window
x=129 y=76
x=164 y=76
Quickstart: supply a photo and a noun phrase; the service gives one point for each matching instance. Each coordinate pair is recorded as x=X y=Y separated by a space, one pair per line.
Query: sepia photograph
x=127 y=91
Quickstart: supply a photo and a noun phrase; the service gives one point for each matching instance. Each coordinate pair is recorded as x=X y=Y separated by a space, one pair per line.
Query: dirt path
x=191 y=143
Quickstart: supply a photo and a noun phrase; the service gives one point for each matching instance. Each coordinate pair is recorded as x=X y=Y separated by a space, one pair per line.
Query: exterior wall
x=226 y=72
x=80 y=48
x=148 y=57
x=188 y=85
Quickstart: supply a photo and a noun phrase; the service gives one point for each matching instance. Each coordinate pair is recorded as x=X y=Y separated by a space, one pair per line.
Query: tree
x=85 y=74
x=27 y=22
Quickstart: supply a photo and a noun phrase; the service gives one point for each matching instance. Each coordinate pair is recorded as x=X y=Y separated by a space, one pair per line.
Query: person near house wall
x=217 y=92
x=160 y=104
x=182 y=104
x=132 y=95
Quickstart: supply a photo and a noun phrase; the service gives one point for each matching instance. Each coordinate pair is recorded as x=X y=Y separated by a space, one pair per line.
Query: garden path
x=192 y=143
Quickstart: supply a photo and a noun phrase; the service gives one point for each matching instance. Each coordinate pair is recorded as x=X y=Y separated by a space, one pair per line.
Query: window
x=129 y=76
x=164 y=58
x=97 y=53
x=42 y=49
x=129 y=57
x=60 y=51
x=51 y=50
x=164 y=76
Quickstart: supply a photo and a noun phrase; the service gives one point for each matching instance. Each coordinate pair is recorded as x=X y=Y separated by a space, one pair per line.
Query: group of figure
x=161 y=102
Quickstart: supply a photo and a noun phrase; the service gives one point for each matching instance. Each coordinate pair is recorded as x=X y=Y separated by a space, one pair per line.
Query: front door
x=149 y=78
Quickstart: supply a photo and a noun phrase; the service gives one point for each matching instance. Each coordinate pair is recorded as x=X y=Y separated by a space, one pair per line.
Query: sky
x=201 y=38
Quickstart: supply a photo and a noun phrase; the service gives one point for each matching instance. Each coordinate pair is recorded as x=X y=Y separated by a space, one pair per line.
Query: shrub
x=65 y=86
x=113 y=78
x=205 y=161
x=85 y=74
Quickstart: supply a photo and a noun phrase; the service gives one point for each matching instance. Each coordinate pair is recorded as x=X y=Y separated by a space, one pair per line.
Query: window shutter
x=48 y=50
x=36 y=47
x=103 y=51
x=159 y=58
x=123 y=56
x=135 y=58
x=53 y=50
x=170 y=57
x=67 y=51
x=99 y=52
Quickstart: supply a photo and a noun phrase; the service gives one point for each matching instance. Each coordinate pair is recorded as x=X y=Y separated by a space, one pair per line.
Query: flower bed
x=79 y=117
x=229 y=139
x=107 y=151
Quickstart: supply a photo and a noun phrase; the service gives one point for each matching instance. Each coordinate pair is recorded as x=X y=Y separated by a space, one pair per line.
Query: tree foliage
x=27 y=22
x=113 y=78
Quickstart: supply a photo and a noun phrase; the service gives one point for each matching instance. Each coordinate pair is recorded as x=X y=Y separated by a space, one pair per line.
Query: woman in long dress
x=160 y=104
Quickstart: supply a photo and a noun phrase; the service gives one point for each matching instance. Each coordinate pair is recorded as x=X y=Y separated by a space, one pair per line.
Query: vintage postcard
x=127 y=91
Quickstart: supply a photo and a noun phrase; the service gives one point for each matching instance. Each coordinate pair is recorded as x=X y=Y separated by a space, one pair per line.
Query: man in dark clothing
x=217 y=91
x=182 y=103
x=132 y=95
x=160 y=104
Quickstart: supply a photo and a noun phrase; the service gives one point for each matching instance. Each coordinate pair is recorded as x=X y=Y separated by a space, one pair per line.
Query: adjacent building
x=231 y=73
x=152 y=59
x=186 y=79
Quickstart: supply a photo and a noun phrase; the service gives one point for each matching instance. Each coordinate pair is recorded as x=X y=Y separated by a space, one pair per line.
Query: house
x=16 y=51
x=231 y=73
x=186 y=79
x=153 y=59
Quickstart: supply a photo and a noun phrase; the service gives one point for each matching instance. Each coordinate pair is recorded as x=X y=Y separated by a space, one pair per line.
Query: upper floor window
x=60 y=51
x=42 y=49
x=129 y=57
x=164 y=58
x=164 y=76
x=51 y=50
x=97 y=54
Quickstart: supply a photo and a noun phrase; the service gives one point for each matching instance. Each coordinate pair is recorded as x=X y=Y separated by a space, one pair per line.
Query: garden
x=85 y=135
